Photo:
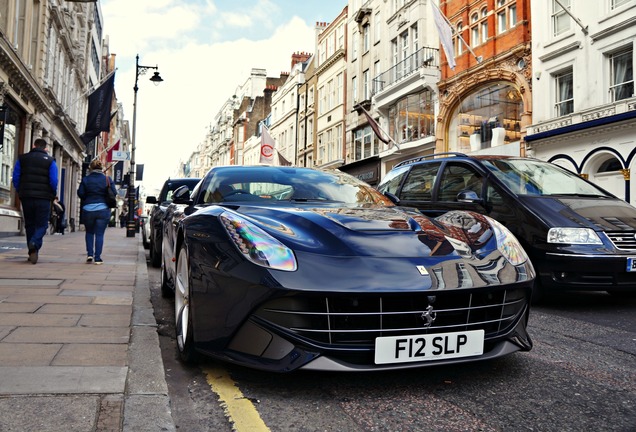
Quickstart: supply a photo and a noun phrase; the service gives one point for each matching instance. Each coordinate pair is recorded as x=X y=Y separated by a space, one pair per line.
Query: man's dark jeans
x=36 y=213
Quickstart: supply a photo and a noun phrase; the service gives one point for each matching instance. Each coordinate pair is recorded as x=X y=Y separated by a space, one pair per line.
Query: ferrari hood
x=606 y=214
x=379 y=231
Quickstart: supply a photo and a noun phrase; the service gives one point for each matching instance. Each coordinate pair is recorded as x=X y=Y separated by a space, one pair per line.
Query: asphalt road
x=580 y=376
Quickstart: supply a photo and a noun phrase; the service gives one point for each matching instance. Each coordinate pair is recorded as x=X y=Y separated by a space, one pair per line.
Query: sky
x=204 y=49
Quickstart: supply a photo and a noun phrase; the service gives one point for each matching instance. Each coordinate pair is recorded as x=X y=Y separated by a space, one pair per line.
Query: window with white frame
x=564 y=86
x=331 y=90
x=322 y=100
x=329 y=146
x=484 y=25
x=354 y=89
x=338 y=142
x=622 y=74
x=366 y=30
x=458 y=39
x=366 y=89
x=322 y=52
x=377 y=28
x=354 y=45
x=614 y=4
x=415 y=38
x=340 y=36
x=365 y=143
x=339 y=88
x=321 y=149
x=512 y=15
x=474 y=30
x=561 y=21
x=394 y=52
x=310 y=131
x=331 y=42
x=310 y=96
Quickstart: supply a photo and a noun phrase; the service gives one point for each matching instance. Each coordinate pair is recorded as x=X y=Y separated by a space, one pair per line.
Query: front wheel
x=155 y=253
x=167 y=290
x=182 y=308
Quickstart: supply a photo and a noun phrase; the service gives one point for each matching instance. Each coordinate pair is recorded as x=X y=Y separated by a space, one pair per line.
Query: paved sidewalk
x=79 y=349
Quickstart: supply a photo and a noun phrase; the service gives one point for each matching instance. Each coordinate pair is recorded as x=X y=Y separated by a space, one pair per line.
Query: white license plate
x=416 y=348
x=631 y=264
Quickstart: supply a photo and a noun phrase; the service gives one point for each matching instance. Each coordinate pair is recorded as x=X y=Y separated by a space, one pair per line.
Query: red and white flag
x=109 y=152
x=445 y=34
x=267 y=146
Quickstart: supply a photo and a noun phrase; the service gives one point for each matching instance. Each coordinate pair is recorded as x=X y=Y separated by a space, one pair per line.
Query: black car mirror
x=469 y=196
x=151 y=199
x=181 y=195
x=394 y=199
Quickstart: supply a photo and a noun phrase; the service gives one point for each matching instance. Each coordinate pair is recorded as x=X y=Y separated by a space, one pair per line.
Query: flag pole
x=478 y=58
x=90 y=90
x=370 y=118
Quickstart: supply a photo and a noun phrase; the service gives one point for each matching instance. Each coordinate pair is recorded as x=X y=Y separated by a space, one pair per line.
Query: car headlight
x=573 y=236
x=256 y=245
x=508 y=244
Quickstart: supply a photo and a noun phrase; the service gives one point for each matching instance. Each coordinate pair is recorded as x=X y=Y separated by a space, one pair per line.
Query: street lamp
x=156 y=79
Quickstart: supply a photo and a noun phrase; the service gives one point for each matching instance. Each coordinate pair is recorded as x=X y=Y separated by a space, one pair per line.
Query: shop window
x=412 y=117
x=487 y=117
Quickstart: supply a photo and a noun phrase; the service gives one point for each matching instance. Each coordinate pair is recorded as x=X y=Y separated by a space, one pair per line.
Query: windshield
x=288 y=184
x=533 y=177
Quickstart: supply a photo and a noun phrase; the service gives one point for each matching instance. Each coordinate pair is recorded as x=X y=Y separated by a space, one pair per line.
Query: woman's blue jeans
x=95 y=223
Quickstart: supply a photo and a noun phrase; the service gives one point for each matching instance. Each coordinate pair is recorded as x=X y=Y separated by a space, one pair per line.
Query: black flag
x=99 y=104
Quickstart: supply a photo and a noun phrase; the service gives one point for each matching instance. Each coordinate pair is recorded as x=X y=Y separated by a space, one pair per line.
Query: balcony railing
x=425 y=57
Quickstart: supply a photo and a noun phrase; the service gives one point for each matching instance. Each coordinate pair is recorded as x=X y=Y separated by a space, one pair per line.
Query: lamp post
x=156 y=79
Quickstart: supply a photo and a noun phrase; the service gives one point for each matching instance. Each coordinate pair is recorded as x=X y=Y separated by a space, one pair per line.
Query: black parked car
x=578 y=236
x=286 y=268
x=157 y=213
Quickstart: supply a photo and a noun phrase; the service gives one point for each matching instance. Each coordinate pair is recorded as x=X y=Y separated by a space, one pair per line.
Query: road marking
x=238 y=409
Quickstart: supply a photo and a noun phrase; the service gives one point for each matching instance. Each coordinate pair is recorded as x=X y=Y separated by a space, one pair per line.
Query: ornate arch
x=509 y=70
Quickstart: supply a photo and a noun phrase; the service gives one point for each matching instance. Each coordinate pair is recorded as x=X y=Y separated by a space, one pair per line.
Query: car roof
x=455 y=155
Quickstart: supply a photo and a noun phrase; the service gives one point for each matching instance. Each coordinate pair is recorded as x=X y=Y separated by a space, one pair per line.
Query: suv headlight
x=573 y=236
x=508 y=244
x=256 y=245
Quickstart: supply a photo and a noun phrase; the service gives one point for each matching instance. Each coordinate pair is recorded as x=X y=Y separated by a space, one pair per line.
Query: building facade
x=486 y=100
x=585 y=109
x=51 y=54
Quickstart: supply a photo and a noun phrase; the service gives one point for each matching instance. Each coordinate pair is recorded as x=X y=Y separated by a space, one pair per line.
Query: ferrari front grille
x=356 y=320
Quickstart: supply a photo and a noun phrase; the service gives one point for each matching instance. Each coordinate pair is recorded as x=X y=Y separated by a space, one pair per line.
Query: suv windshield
x=532 y=177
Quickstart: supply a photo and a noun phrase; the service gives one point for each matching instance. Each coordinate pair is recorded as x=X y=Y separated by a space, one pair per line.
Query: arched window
x=487 y=117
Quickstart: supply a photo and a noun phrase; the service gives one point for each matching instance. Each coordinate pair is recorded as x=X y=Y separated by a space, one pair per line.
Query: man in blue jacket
x=35 y=179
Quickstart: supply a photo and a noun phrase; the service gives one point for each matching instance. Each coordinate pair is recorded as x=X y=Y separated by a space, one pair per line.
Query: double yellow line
x=239 y=410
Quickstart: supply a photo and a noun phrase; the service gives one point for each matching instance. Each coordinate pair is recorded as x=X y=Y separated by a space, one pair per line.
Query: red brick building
x=486 y=100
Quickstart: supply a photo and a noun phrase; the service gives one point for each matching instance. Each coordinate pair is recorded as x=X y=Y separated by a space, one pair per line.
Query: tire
x=155 y=257
x=538 y=293
x=167 y=289
x=183 y=310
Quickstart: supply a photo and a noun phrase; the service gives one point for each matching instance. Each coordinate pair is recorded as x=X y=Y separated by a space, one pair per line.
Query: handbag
x=111 y=198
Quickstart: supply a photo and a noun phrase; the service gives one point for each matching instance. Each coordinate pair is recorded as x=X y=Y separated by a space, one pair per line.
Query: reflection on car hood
x=390 y=232
x=599 y=214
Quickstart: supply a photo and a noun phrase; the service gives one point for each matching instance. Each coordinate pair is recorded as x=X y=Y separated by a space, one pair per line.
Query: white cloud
x=204 y=49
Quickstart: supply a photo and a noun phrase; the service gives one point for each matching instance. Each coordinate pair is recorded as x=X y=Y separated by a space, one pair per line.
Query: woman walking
x=95 y=211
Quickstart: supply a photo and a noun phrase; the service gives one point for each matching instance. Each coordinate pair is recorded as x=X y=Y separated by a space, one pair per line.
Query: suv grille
x=356 y=321
x=623 y=240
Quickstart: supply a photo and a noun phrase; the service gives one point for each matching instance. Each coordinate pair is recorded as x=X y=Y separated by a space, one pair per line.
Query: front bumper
x=586 y=272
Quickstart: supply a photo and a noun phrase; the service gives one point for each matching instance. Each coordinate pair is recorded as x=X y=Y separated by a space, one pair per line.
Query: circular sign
x=267 y=150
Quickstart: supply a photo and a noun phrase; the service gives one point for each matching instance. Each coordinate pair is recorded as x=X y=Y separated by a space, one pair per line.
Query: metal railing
x=425 y=57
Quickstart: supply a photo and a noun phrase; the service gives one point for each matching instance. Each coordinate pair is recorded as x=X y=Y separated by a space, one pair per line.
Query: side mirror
x=151 y=199
x=394 y=199
x=469 y=196
x=181 y=195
